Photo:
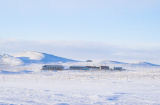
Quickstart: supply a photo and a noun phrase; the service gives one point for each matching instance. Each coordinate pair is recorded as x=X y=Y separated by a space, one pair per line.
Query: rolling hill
x=8 y=60
x=30 y=57
x=37 y=57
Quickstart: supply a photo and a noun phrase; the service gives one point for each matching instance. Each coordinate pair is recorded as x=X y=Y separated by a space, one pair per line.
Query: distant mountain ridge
x=37 y=57
x=144 y=64
x=30 y=57
x=109 y=62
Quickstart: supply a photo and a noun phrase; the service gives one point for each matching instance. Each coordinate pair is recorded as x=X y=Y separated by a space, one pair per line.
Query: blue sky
x=120 y=24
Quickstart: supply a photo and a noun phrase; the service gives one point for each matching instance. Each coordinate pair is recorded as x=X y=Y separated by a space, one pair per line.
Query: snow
x=37 y=57
x=111 y=62
x=76 y=87
x=27 y=84
x=6 y=59
x=31 y=55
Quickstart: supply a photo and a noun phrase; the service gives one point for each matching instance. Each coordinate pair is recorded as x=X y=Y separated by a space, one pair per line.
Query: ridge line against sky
x=82 y=50
x=131 y=24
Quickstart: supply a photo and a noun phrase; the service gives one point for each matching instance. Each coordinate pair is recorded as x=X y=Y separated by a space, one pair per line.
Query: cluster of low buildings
x=53 y=67
x=60 y=67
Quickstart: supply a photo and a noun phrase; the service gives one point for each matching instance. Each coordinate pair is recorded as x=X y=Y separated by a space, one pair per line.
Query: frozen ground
x=131 y=87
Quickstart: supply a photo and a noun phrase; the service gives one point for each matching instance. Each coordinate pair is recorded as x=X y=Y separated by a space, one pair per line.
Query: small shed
x=52 y=67
x=117 y=68
x=104 y=67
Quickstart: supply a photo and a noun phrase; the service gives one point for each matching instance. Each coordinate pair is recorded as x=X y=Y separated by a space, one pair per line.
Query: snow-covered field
x=23 y=83
x=128 y=87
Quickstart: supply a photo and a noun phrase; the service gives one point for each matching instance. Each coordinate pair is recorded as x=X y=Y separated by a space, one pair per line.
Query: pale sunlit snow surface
x=29 y=85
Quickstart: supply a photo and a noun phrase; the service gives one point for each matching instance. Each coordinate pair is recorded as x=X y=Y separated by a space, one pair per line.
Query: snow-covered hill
x=37 y=57
x=7 y=60
x=143 y=64
x=112 y=64
x=43 y=58
x=109 y=62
